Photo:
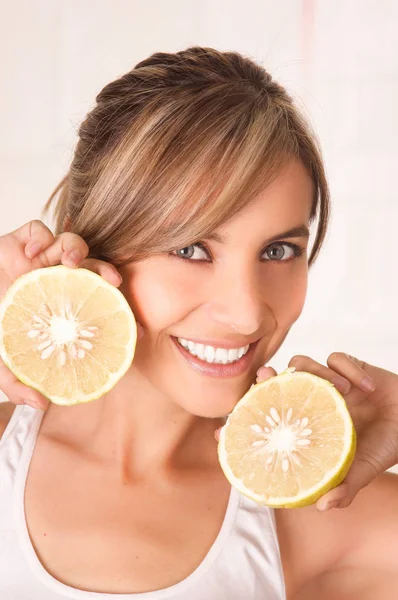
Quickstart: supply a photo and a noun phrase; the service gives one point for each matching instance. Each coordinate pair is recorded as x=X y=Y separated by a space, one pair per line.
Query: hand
x=371 y=394
x=30 y=247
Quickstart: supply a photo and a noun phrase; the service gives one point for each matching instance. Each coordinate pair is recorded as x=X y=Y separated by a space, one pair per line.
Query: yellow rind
x=334 y=480
x=35 y=275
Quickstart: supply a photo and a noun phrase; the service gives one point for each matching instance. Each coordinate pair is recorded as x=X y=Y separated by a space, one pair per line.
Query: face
x=214 y=312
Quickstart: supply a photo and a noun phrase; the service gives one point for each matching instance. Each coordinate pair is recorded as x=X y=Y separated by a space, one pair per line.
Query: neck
x=137 y=430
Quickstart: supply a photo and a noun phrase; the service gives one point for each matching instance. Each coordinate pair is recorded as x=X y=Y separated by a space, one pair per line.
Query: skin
x=138 y=467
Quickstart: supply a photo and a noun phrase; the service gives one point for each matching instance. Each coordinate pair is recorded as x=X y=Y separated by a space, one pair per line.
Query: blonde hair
x=176 y=147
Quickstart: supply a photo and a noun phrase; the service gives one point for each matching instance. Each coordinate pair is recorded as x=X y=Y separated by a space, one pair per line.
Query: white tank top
x=242 y=564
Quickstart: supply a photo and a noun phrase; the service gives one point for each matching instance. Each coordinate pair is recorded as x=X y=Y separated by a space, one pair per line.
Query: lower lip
x=215 y=369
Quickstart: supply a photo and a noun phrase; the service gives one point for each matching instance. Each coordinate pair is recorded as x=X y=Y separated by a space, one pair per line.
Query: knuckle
x=335 y=356
x=372 y=464
x=297 y=360
x=36 y=223
x=361 y=363
x=38 y=228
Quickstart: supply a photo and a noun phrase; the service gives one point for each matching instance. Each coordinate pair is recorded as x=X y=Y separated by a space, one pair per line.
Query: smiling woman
x=195 y=176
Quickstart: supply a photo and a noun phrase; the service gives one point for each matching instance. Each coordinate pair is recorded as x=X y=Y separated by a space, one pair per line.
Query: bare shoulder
x=6 y=410
x=362 y=536
x=373 y=526
x=347 y=583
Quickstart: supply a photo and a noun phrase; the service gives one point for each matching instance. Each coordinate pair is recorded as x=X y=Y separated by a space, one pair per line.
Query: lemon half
x=288 y=441
x=67 y=333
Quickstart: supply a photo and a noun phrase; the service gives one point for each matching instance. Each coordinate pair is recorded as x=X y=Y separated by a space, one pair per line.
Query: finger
x=352 y=369
x=367 y=465
x=305 y=363
x=265 y=373
x=28 y=396
x=17 y=392
x=336 y=498
x=68 y=248
x=104 y=269
x=35 y=236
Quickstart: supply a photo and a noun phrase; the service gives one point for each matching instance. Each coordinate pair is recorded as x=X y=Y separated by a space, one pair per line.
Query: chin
x=211 y=405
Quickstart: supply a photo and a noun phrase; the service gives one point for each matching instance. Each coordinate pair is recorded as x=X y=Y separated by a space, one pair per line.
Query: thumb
x=362 y=472
x=376 y=452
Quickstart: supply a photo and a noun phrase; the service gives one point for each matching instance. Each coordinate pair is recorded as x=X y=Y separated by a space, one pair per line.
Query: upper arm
x=6 y=410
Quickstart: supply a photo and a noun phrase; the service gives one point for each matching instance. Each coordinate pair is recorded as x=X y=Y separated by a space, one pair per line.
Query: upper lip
x=220 y=343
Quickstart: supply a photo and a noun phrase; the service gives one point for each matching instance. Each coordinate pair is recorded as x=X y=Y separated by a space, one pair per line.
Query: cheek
x=157 y=297
x=288 y=296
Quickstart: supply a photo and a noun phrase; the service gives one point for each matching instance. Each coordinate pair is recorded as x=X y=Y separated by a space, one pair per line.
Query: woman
x=196 y=177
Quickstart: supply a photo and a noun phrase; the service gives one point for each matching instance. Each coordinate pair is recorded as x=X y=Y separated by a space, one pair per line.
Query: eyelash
x=297 y=252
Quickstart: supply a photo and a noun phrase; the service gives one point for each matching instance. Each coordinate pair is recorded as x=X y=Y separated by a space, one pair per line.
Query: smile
x=210 y=354
x=214 y=361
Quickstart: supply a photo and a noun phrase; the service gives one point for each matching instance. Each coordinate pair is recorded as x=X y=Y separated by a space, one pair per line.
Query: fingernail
x=367 y=384
x=33 y=249
x=343 y=385
x=73 y=258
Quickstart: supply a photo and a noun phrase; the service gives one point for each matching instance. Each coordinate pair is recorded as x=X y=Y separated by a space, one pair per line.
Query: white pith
x=211 y=354
x=283 y=439
x=61 y=333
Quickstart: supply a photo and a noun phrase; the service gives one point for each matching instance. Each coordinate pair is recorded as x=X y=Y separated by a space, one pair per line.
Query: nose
x=237 y=301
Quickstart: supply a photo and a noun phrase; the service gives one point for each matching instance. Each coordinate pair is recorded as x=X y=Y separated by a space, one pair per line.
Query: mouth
x=216 y=361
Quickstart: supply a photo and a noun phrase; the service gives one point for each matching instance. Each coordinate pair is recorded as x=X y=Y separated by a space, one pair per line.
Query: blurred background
x=338 y=58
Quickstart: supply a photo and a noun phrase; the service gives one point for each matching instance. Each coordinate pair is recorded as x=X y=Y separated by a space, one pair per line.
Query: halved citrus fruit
x=288 y=441
x=67 y=333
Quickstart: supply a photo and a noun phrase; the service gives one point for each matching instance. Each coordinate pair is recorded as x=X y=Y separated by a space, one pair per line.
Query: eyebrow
x=300 y=231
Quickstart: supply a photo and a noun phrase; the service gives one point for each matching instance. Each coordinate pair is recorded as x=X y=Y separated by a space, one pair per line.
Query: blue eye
x=283 y=252
x=276 y=252
x=193 y=252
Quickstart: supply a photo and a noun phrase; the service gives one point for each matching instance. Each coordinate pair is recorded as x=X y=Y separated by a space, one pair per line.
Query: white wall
x=340 y=59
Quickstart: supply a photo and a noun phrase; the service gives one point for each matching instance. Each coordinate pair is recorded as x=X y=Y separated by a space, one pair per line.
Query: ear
x=67 y=223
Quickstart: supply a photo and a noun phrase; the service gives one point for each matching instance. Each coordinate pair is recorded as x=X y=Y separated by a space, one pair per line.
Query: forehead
x=283 y=204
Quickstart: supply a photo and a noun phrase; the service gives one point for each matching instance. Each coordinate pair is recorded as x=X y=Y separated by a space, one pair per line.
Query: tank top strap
x=256 y=526
x=22 y=427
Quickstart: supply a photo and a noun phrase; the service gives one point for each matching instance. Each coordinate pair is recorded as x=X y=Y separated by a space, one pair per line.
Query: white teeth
x=222 y=355
x=213 y=355
x=233 y=355
x=200 y=351
x=210 y=354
